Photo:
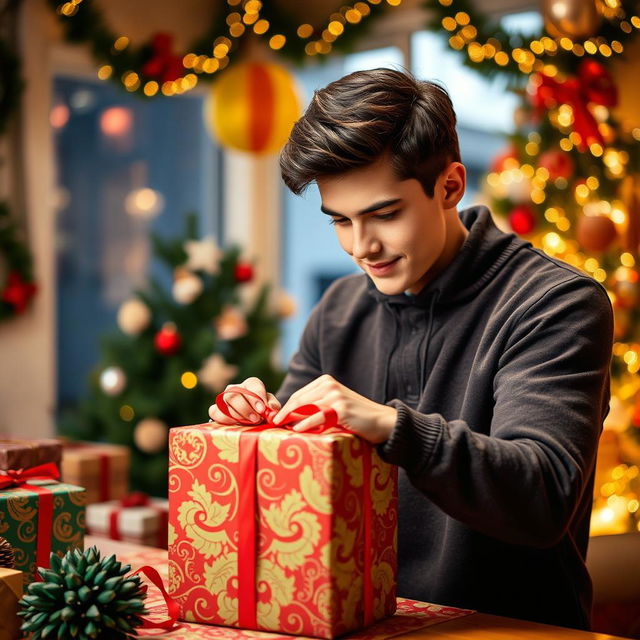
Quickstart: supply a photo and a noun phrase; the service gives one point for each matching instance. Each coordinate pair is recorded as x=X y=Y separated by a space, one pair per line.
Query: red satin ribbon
x=592 y=84
x=105 y=477
x=247 y=504
x=139 y=499
x=19 y=477
x=173 y=609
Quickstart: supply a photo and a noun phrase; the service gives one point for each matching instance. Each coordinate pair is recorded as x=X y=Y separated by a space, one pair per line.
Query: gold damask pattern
x=310 y=523
x=19 y=522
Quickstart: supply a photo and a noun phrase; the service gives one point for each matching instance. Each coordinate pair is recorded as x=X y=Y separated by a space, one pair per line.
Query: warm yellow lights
x=121 y=43
x=105 y=72
x=127 y=413
x=151 y=88
x=237 y=29
x=304 y=30
x=449 y=23
x=189 y=379
x=627 y=259
x=335 y=28
x=277 y=42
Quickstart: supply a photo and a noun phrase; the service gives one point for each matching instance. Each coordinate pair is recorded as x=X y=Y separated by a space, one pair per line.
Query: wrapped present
x=24 y=454
x=136 y=518
x=275 y=530
x=10 y=594
x=39 y=515
x=102 y=469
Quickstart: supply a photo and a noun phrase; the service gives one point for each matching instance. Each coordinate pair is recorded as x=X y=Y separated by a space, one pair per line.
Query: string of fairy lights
x=464 y=36
x=241 y=18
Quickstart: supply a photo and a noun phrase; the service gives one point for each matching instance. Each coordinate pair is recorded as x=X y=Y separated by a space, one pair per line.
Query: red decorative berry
x=557 y=163
x=167 y=341
x=522 y=219
x=18 y=292
x=243 y=272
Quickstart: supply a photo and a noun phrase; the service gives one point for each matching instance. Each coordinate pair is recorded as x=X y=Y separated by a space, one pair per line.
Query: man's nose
x=364 y=244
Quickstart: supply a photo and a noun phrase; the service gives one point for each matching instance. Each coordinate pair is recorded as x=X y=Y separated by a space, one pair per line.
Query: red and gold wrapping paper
x=410 y=615
x=310 y=528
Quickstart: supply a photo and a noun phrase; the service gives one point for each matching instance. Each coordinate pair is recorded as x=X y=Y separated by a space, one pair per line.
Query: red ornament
x=522 y=219
x=243 y=272
x=167 y=341
x=557 y=163
x=163 y=65
x=501 y=161
x=595 y=233
x=18 y=292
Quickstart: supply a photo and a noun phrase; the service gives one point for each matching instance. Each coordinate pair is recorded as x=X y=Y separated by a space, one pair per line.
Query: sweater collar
x=484 y=251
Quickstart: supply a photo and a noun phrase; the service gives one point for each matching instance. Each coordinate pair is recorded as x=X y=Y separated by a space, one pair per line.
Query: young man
x=478 y=364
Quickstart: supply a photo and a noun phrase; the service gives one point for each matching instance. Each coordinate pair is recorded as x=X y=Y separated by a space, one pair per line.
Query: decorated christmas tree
x=174 y=350
x=569 y=181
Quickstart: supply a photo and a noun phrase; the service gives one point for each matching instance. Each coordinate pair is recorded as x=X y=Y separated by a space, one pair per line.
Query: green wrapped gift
x=38 y=517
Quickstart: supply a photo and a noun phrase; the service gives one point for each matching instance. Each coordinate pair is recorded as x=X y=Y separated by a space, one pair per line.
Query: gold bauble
x=576 y=19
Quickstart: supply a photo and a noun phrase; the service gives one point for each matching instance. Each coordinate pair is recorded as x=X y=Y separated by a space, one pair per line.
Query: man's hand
x=245 y=407
x=370 y=420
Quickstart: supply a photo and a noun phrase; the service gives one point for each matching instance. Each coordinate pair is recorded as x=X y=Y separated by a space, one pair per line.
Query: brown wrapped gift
x=23 y=454
x=102 y=469
x=10 y=593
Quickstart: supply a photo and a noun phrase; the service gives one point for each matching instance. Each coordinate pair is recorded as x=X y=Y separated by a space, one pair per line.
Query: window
x=125 y=166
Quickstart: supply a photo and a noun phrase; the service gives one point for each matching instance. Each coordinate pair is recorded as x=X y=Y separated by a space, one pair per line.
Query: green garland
x=490 y=31
x=87 y=25
x=17 y=285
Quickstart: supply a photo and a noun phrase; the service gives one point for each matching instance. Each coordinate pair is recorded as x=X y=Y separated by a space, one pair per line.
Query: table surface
x=476 y=626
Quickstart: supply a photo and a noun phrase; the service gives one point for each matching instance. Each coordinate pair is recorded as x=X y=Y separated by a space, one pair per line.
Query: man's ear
x=454 y=181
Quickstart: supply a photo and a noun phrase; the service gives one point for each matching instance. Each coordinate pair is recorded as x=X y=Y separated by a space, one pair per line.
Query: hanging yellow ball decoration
x=253 y=106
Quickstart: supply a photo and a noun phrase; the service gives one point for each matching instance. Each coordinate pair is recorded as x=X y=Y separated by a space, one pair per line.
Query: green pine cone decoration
x=83 y=596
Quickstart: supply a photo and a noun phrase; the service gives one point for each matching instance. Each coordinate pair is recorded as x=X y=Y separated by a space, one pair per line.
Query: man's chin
x=388 y=288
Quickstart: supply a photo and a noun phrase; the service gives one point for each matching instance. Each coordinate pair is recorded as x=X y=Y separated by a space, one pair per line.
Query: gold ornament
x=133 y=317
x=215 y=373
x=231 y=324
x=576 y=19
x=151 y=435
x=187 y=286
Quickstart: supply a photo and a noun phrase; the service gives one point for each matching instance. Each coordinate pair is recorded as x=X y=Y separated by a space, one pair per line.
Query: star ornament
x=216 y=373
x=203 y=255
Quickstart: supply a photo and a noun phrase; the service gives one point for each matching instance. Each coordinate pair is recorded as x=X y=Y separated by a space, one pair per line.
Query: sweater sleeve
x=522 y=482
x=304 y=365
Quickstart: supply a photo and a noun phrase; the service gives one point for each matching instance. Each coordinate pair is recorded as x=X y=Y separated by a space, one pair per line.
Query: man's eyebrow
x=373 y=207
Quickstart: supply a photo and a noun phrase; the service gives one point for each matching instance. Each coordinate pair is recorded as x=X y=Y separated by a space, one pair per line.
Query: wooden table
x=476 y=626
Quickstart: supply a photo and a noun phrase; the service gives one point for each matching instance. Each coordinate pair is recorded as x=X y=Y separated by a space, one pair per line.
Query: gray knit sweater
x=499 y=370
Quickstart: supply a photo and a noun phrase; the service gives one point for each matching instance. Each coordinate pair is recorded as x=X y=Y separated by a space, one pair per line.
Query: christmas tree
x=173 y=351
x=569 y=182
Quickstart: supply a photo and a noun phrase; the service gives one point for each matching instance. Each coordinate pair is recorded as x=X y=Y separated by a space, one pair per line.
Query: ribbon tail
x=173 y=609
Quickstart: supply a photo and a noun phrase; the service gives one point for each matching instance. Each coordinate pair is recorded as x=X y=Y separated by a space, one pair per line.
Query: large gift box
x=281 y=531
x=38 y=517
x=102 y=469
x=136 y=518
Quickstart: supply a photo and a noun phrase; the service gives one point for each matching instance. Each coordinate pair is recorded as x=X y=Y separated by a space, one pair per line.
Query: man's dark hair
x=355 y=120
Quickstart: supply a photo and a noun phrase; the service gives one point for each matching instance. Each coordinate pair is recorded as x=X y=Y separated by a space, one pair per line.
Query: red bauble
x=167 y=341
x=18 y=292
x=499 y=162
x=557 y=163
x=595 y=233
x=243 y=272
x=522 y=219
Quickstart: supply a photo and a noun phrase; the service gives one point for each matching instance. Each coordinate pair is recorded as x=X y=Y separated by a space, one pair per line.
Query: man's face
x=393 y=231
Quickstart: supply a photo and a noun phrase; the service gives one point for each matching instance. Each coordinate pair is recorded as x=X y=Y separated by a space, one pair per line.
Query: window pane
x=312 y=257
x=123 y=171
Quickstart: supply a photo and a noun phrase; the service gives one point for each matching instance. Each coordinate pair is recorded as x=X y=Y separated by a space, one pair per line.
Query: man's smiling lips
x=380 y=268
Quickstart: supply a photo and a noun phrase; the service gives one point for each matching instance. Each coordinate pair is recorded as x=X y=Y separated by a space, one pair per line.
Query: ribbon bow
x=18 y=477
x=593 y=84
x=163 y=65
x=139 y=499
x=330 y=416
x=135 y=499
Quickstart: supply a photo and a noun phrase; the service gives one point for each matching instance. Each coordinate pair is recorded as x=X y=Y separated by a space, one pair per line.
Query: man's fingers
x=311 y=422
x=217 y=416
x=257 y=386
x=273 y=402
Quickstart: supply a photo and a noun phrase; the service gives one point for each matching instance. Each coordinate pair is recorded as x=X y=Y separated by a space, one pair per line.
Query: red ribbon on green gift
x=247 y=540
x=18 y=478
